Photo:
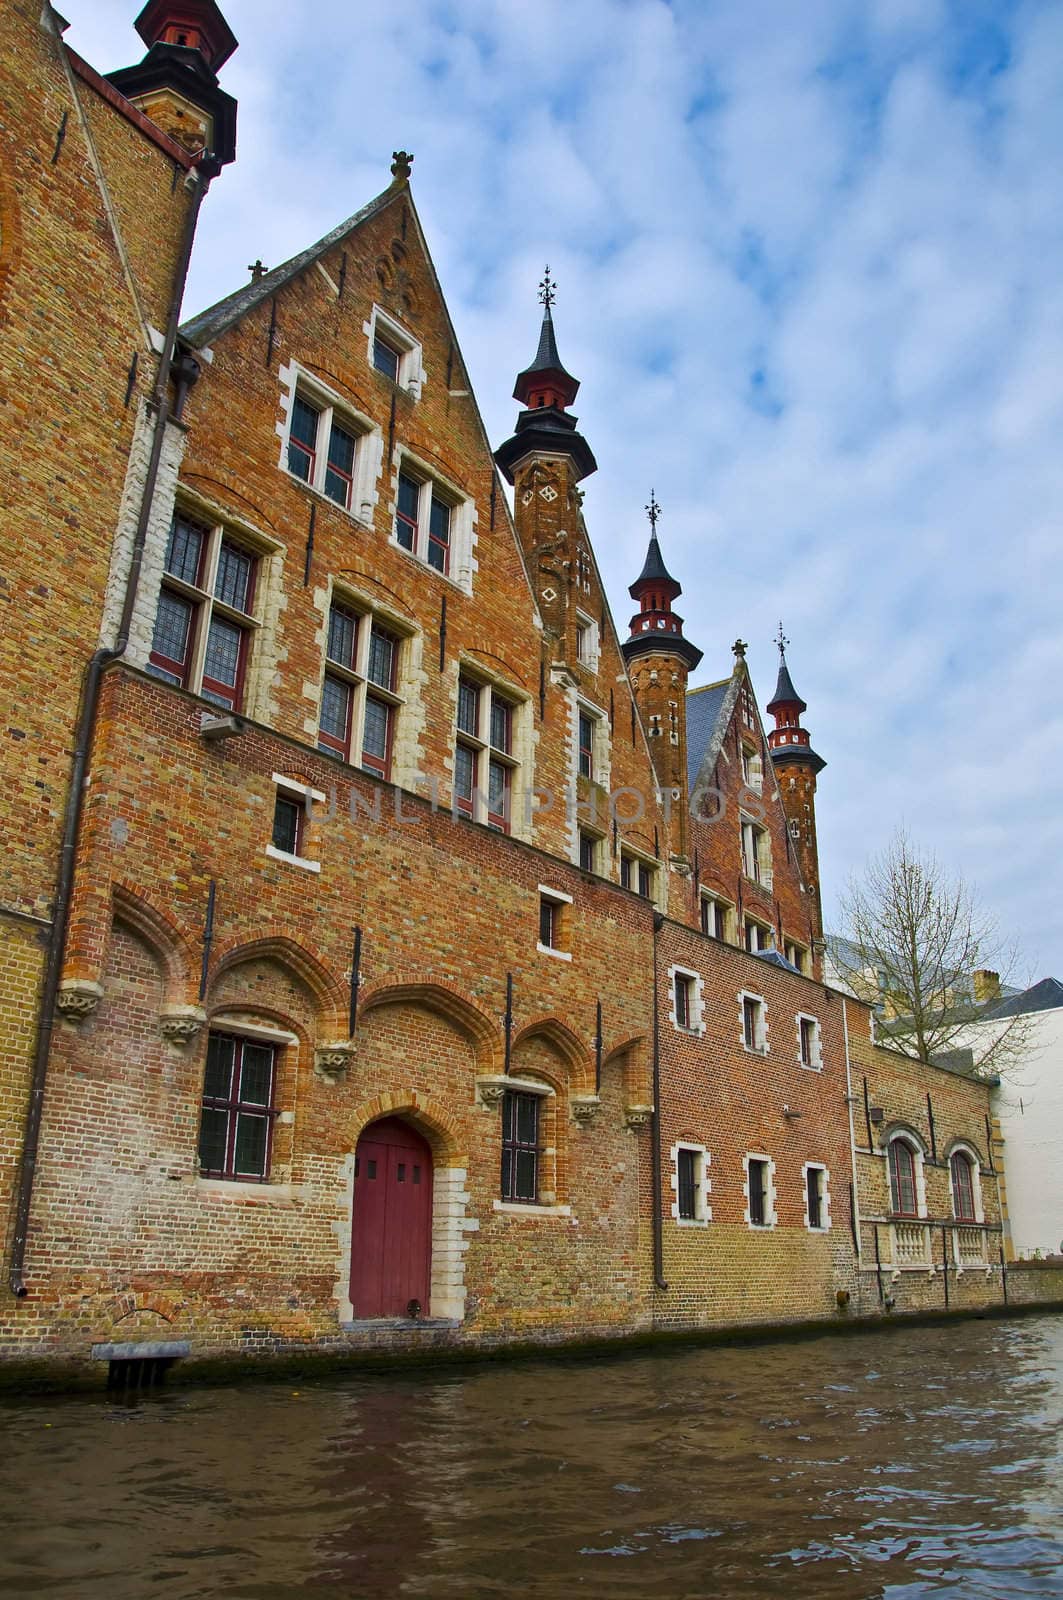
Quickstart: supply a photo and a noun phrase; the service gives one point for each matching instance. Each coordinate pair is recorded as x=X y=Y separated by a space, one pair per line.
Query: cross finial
x=548 y=289
x=653 y=511
x=782 y=641
x=740 y=647
x=401 y=162
x=257 y=270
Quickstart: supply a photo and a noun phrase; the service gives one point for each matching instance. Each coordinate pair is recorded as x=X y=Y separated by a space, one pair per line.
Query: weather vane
x=653 y=511
x=781 y=640
x=548 y=289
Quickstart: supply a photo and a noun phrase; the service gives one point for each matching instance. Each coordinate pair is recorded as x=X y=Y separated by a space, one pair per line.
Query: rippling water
x=898 y=1465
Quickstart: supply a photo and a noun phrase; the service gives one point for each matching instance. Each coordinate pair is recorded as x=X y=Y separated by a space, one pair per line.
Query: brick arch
x=449 y=1002
x=441 y=1130
x=575 y=1055
x=127 y=1303
x=329 y=995
x=157 y=929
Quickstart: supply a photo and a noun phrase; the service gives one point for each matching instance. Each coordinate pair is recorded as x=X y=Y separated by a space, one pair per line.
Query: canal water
x=916 y=1462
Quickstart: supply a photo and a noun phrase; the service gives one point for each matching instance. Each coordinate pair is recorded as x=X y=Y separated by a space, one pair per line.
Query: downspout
x=852 y=1141
x=206 y=170
x=655 y=1123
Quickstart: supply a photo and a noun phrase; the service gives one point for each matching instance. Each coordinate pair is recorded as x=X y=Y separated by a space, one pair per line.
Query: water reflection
x=895 y=1466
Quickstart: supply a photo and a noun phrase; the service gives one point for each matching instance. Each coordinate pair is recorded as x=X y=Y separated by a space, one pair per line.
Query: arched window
x=962 y=1171
x=904 y=1194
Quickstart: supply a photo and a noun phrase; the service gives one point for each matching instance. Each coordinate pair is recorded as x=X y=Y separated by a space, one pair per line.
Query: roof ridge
x=225 y=312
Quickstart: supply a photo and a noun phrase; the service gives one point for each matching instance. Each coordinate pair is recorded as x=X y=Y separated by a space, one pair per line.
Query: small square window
x=586 y=745
x=758 y=936
x=815 y=1197
x=683 y=992
x=759 y=1179
x=686 y=1173
x=753 y=1030
x=520 y=1147
x=288 y=817
x=386 y=358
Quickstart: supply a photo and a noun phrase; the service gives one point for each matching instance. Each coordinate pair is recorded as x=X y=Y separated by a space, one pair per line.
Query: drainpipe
x=852 y=1143
x=655 y=1122
x=206 y=169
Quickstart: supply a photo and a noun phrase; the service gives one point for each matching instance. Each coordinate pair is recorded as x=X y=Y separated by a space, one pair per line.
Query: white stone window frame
x=817 y=1166
x=816 y=1063
x=463 y=518
x=960 y=1147
x=639 y=858
x=588 y=641
x=697 y=1000
x=709 y=896
x=801 y=951
x=412 y=376
x=752 y=768
x=763 y=1027
x=702 y=1184
x=368 y=611
x=369 y=442
x=520 y=757
x=558 y=898
x=771 y=1214
x=308 y=797
x=911 y=1139
x=766 y=927
x=755 y=833
x=267 y=553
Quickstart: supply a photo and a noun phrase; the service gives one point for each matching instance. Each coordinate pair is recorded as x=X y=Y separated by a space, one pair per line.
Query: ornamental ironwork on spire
x=655 y=626
x=788 y=741
x=546 y=390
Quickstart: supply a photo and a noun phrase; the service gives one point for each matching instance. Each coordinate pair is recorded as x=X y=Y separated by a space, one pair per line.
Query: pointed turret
x=176 y=84
x=546 y=390
x=659 y=661
x=655 y=589
x=796 y=768
x=788 y=741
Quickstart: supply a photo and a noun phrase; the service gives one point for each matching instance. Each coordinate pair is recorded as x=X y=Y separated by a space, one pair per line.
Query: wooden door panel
x=391 y=1238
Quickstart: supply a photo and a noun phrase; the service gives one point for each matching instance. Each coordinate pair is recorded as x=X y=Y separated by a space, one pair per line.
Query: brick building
x=429 y=965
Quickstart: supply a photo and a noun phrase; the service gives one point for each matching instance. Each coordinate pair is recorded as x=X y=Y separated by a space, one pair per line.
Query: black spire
x=785 y=693
x=546 y=390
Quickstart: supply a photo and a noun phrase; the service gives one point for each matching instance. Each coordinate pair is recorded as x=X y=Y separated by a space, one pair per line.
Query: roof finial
x=653 y=511
x=740 y=647
x=257 y=270
x=401 y=162
x=548 y=289
x=782 y=641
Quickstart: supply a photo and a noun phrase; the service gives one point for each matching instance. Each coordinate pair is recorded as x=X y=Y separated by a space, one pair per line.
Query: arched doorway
x=391 y=1236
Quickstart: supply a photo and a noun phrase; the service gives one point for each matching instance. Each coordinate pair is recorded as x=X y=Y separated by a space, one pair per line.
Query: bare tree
x=915 y=942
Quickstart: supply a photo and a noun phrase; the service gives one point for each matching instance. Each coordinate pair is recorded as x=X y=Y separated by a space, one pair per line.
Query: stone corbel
x=180 y=1025
x=636 y=1117
x=489 y=1092
x=78 y=998
x=584 y=1108
x=332 y=1060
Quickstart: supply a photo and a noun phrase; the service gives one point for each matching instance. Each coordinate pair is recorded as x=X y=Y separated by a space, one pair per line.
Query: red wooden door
x=391 y=1240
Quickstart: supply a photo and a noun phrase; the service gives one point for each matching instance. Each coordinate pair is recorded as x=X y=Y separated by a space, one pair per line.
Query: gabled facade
x=429 y=967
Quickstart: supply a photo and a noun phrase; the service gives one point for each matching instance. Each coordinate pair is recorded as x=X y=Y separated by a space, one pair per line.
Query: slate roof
x=1043 y=996
x=653 y=570
x=785 y=693
x=704 y=708
x=777 y=960
x=200 y=330
x=546 y=357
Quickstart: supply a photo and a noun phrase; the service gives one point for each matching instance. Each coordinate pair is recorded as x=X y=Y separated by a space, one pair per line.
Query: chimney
x=986 y=985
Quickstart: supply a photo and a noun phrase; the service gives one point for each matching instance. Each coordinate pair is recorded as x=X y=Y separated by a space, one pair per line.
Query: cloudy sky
x=809 y=264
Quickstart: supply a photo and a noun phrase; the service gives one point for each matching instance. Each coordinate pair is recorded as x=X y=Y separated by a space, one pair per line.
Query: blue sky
x=809 y=266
